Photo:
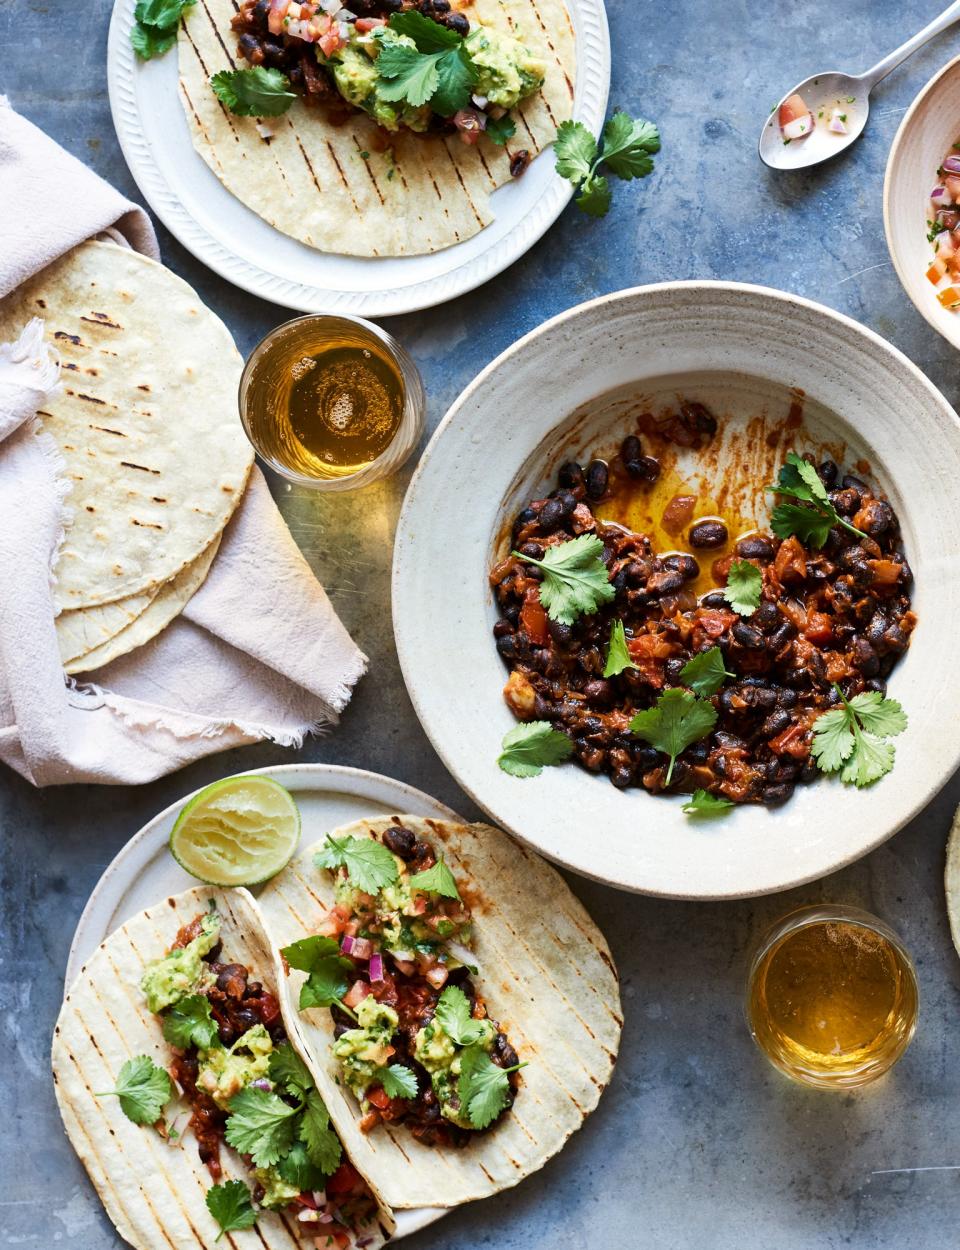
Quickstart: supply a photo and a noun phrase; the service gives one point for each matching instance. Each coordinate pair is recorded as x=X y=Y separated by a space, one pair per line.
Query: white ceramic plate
x=931 y=124
x=240 y=246
x=739 y=349
x=328 y=796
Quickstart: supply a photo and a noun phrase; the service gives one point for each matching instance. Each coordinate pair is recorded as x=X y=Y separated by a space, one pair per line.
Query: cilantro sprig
x=143 y=1090
x=618 y=653
x=677 y=719
x=703 y=803
x=850 y=739
x=256 y=92
x=370 y=866
x=260 y=1124
x=484 y=1088
x=744 y=587
x=231 y=1207
x=531 y=747
x=813 y=516
x=575 y=579
x=437 y=71
x=436 y=880
x=455 y=1017
x=705 y=673
x=189 y=1023
x=319 y=957
x=627 y=150
x=398 y=1081
x=155 y=25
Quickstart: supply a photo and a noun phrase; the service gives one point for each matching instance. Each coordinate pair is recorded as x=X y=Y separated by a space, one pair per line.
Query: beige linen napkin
x=258 y=653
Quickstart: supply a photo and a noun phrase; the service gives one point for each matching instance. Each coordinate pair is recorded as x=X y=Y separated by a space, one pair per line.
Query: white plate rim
x=403 y=543
x=593 y=85
x=357 y=782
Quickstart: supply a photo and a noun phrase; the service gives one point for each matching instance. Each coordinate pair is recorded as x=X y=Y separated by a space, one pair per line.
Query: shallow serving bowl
x=563 y=390
x=931 y=125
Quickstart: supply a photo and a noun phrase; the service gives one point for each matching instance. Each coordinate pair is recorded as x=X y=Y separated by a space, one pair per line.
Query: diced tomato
x=885 y=572
x=937 y=270
x=950 y=297
x=306 y=1199
x=533 y=619
x=819 y=628
x=332 y=41
x=791 y=742
x=678 y=512
x=278 y=11
x=378 y=1097
x=791 y=561
x=713 y=624
x=356 y=994
x=366 y=24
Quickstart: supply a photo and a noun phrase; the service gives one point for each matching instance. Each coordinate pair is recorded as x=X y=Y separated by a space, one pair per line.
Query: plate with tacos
x=372 y=157
x=414 y=1013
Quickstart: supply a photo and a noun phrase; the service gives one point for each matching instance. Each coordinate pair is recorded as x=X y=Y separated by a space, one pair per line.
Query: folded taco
x=457 y=1005
x=196 y=1118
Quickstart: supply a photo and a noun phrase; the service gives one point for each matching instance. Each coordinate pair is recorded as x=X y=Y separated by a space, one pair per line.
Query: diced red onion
x=376 y=967
x=837 y=125
x=320 y=1197
x=938 y=192
x=262 y=1083
x=347 y=944
x=326 y=1218
x=362 y=948
x=799 y=128
x=952 y=164
x=480 y=101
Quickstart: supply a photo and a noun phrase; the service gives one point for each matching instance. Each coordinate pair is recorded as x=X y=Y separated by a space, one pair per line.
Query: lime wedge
x=239 y=831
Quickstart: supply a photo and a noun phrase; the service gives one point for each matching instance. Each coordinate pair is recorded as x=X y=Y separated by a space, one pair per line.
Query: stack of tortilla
x=147 y=428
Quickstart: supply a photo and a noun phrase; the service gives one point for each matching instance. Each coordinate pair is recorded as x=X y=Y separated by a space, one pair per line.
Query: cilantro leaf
x=370 y=866
x=143 y=1090
x=322 y=1143
x=575 y=579
x=230 y=1206
x=397 y=1081
x=260 y=1124
x=148 y=42
x=677 y=719
x=288 y=1071
x=812 y=519
x=703 y=803
x=744 y=586
x=407 y=74
x=326 y=970
x=484 y=1088
x=704 y=674
x=530 y=747
x=595 y=197
x=575 y=149
x=189 y=1023
x=455 y=1017
x=618 y=655
x=456 y=78
x=305 y=954
x=849 y=739
x=629 y=145
x=297 y=1168
x=257 y=92
x=428 y=35
x=500 y=129
x=436 y=880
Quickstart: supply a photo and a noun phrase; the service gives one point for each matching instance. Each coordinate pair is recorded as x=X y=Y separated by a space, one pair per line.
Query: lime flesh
x=239 y=831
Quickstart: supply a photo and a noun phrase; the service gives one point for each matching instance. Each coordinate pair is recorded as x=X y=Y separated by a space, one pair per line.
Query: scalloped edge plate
x=244 y=249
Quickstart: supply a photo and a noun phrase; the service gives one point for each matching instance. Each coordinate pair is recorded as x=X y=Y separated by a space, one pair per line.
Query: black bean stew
x=837 y=616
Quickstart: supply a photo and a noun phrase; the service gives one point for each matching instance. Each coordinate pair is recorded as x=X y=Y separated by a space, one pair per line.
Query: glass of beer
x=331 y=402
x=832 y=997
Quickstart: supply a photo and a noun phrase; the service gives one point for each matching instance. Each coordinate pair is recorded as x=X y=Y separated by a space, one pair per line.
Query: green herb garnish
x=705 y=673
x=744 y=586
x=677 y=719
x=438 y=71
x=484 y=1088
x=436 y=880
x=500 y=129
x=575 y=579
x=143 y=1090
x=628 y=147
x=155 y=25
x=257 y=92
x=618 y=654
x=319 y=957
x=703 y=803
x=936 y=227
x=231 y=1207
x=189 y=1023
x=370 y=866
x=398 y=1081
x=260 y=1124
x=850 y=739
x=455 y=1017
x=814 y=516
x=532 y=746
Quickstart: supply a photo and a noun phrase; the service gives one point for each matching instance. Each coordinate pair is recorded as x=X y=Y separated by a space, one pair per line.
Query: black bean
x=619 y=581
x=876 y=628
x=637 y=571
x=507 y=646
x=685 y=565
x=570 y=474
x=786 y=697
x=502 y=628
x=846 y=502
x=747 y=636
x=766 y=617
x=664 y=583
x=512 y=613
x=714 y=599
x=673 y=668
x=567 y=501
x=865 y=657
x=533 y=550
x=809 y=772
x=775 y=723
x=552 y=515
x=246 y=1018
x=876 y=517
x=459 y=23
x=646 y=757
x=622 y=777
x=781 y=635
x=878 y=684
x=630 y=448
x=525 y=516
x=850 y=482
x=646 y=468
x=597 y=477
x=698 y=417
x=755 y=547
x=729 y=741
x=503 y=1052
x=560 y=633
x=401 y=841
x=778 y=793
x=232 y=977
x=519 y=161
x=895 y=640
x=828 y=473
x=598 y=691
x=708 y=534
x=698 y=753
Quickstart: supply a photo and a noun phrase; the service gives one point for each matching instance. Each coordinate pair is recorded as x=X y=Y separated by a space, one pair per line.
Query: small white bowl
x=931 y=125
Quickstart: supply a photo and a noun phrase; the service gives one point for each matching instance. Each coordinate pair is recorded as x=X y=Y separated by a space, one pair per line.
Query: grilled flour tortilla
x=545 y=975
x=307 y=177
x=154 y=1190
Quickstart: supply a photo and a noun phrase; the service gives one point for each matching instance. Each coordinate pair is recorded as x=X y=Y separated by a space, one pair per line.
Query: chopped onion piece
x=799 y=128
x=347 y=944
x=308 y=1216
x=376 y=967
x=406 y=957
x=437 y=976
x=264 y=131
x=362 y=948
x=837 y=124
x=952 y=164
x=262 y=1083
x=480 y=101
x=330 y=6
x=463 y=954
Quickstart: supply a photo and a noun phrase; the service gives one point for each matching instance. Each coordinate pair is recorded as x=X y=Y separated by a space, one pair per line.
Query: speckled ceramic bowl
x=931 y=125
x=743 y=350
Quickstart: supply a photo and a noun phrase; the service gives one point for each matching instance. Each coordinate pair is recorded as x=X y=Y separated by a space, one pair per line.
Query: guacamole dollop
x=355 y=76
x=165 y=981
x=225 y=1071
x=436 y=1051
x=507 y=71
x=361 y=1051
x=276 y=1191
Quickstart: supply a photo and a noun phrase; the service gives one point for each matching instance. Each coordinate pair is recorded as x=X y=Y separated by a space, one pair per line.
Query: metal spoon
x=846 y=94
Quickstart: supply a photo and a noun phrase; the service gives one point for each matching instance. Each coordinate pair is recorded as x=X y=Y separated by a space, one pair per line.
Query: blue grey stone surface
x=698 y=1143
